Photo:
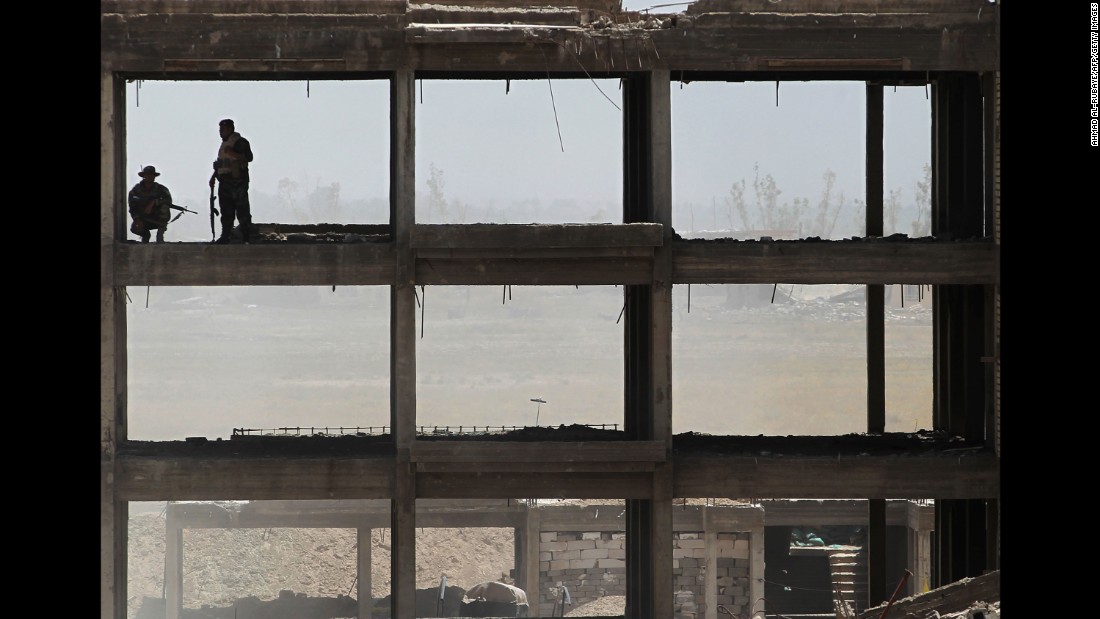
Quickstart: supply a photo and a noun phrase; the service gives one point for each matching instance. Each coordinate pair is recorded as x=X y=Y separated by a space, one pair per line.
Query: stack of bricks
x=733 y=572
x=689 y=572
x=591 y=564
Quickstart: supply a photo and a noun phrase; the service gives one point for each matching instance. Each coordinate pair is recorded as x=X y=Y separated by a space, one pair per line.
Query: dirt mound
x=607 y=606
x=223 y=566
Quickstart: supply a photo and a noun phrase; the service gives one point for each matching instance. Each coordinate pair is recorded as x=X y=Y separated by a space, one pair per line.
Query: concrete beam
x=693 y=262
x=234 y=39
x=151 y=478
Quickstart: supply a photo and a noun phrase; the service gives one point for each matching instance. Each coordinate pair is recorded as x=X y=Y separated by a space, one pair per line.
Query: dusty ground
x=222 y=565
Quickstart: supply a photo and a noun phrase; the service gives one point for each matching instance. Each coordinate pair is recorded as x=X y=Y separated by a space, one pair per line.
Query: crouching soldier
x=150 y=205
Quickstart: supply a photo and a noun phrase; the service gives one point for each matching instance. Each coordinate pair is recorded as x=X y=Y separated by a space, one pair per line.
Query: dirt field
x=222 y=565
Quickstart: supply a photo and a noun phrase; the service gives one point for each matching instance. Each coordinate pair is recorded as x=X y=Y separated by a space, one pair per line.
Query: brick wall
x=689 y=573
x=593 y=565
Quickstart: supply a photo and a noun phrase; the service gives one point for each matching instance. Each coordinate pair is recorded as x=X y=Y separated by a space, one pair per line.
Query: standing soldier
x=150 y=205
x=231 y=172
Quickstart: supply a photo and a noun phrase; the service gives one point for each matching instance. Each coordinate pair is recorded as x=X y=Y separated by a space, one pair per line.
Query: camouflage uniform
x=232 y=175
x=148 y=216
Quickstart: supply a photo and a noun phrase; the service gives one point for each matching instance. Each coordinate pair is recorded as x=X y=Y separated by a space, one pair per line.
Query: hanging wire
x=581 y=65
x=555 y=106
x=552 y=103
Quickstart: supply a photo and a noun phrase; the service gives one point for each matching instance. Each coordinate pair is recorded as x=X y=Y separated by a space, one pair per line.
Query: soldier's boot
x=144 y=236
x=160 y=235
x=226 y=236
x=246 y=234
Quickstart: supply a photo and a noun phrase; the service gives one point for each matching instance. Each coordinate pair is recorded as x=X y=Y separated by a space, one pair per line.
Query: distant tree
x=792 y=217
x=828 y=209
x=859 y=220
x=459 y=211
x=891 y=211
x=766 y=193
x=922 y=225
x=736 y=200
x=767 y=212
x=287 y=200
x=436 y=199
x=324 y=203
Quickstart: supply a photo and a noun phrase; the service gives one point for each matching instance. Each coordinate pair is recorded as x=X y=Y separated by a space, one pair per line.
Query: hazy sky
x=496 y=148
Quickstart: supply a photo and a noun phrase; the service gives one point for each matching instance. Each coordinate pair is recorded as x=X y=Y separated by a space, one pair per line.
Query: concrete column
x=962 y=329
x=647 y=170
x=113 y=521
x=876 y=343
x=403 y=345
x=923 y=571
x=876 y=553
x=756 y=571
x=911 y=560
x=710 y=590
x=660 y=187
x=363 y=569
x=532 y=539
x=660 y=174
x=173 y=567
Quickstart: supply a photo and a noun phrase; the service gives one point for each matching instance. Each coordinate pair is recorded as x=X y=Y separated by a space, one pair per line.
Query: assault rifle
x=143 y=219
x=213 y=213
x=182 y=210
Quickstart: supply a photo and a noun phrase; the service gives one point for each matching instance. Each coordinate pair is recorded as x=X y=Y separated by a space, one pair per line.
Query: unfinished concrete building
x=949 y=46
